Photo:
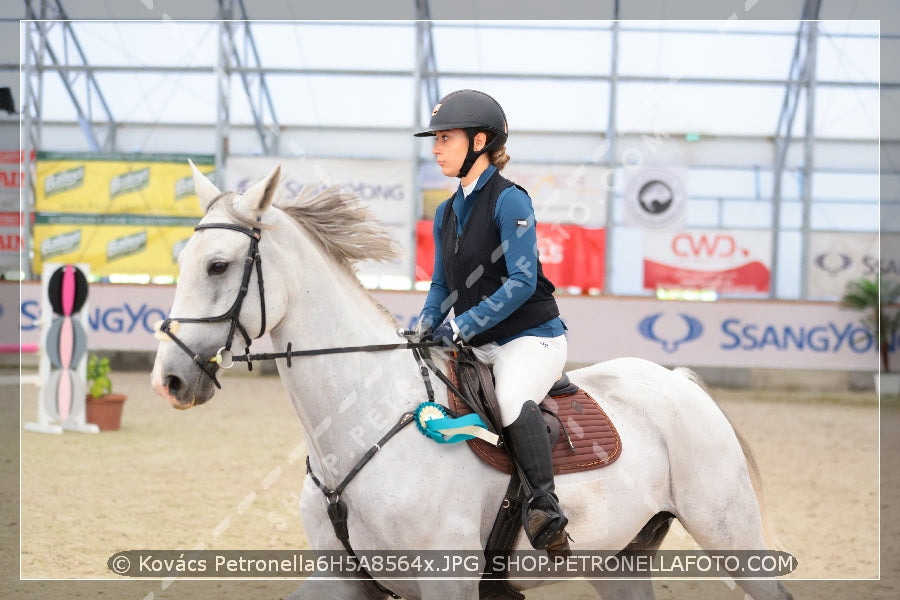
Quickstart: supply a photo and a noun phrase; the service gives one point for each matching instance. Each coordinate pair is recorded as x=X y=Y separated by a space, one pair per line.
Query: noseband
x=209 y=364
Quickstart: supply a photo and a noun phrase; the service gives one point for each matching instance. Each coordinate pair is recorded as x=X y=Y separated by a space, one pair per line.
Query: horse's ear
x=259 y=197
x=203 y=187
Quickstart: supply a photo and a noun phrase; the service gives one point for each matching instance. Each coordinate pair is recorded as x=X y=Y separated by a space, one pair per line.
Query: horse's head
x=219 y=304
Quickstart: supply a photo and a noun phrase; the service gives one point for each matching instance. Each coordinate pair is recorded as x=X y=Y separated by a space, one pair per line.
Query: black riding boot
x=542 y=517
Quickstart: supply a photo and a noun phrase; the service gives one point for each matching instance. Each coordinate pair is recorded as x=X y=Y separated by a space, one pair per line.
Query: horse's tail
x=769 y=535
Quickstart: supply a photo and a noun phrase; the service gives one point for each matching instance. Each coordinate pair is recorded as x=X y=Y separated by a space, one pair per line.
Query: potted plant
x=881 y=319
x=102 y=406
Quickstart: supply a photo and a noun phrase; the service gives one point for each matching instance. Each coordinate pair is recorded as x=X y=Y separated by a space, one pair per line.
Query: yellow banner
x=121 y=214
x=112 y=249
x=139 y=186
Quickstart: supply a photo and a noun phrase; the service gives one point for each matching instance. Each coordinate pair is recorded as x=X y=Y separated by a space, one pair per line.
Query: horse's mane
x=347 y=229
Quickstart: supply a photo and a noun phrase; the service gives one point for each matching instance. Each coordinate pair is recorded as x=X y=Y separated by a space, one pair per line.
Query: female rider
x=486 y=267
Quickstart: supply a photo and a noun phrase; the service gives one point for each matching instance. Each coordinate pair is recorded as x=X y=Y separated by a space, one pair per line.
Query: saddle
x=584 y=437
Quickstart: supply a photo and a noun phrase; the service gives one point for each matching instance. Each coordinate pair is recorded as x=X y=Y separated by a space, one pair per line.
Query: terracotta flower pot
x=105 y=411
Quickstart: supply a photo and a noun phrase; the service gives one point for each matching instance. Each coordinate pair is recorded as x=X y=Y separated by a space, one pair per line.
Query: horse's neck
x=345 y=402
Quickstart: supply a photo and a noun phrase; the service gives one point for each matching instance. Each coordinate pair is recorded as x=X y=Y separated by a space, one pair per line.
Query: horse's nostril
x=174 y=385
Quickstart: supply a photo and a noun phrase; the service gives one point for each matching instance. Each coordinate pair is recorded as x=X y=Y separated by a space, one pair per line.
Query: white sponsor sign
x=837 y=258
x=889 y=261
x=656 y=197
x=729 y=333
x=562 y=194
x=569 y=194
x=384 y=186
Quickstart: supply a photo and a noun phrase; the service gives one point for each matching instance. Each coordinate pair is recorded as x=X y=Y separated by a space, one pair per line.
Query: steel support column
x=425 y=60
x=609 y=254
x=799 y=77
x=86 y=118
x=30 y=135
x=424 y=80
x=809 y=144
x=223 y=94
x=249 y=68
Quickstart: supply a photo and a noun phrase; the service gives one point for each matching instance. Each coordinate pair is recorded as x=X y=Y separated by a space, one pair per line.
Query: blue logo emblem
x=670 y=344
x=833 y=263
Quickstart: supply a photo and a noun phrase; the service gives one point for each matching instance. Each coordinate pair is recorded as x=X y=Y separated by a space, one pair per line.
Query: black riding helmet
x=473 y=111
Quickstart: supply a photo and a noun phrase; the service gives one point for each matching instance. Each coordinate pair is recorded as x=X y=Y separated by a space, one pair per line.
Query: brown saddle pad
x=595 y=438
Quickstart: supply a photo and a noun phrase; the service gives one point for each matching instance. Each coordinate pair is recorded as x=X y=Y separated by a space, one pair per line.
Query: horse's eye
x=217 y=268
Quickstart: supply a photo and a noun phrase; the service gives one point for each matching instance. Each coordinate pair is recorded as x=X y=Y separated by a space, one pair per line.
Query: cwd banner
x=728 y=261
x=572 y=256
x=119 y=214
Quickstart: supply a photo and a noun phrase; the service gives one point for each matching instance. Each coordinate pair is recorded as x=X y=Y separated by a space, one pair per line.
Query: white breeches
x=524 y=369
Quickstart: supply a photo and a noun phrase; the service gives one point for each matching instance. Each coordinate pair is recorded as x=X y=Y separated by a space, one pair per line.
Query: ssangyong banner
x=384 y=186
x=572 y=256
x=727 y=333
x=728 y=261
x=837 y=258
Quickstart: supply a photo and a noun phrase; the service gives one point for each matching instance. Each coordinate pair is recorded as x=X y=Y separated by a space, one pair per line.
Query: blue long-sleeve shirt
x=520 y=256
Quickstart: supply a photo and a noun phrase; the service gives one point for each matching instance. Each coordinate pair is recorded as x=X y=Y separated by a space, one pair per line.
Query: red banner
x=728 y=261
x=750 y=278
x=572 y=256
x=11 y=181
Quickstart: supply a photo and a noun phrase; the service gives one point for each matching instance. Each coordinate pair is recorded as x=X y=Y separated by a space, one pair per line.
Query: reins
x=289 y=353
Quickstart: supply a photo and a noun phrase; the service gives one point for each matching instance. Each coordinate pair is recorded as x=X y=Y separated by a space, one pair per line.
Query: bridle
x=224 y=358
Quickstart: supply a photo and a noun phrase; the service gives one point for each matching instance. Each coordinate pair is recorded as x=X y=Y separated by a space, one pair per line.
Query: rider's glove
x=446 y=334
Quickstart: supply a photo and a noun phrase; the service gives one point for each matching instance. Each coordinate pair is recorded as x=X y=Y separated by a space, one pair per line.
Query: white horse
x=680 y=456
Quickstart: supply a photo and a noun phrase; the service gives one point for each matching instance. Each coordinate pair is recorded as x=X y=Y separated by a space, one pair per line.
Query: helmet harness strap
x=472 y=155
